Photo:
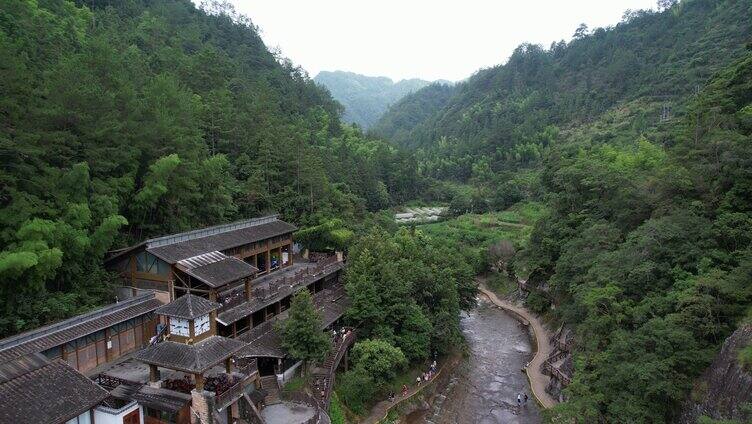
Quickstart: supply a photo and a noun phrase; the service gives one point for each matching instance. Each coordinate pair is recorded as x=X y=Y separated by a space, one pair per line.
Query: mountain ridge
x=366 y=98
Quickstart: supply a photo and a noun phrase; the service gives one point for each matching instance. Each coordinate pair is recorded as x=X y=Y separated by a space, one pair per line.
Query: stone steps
x=269 y=383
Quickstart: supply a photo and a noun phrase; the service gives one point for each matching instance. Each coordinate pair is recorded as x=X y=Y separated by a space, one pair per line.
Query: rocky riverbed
x=484 y=388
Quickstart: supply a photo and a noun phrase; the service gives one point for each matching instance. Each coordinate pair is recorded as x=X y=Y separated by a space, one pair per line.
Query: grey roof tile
x=52 y=335
x=35 y=390
x=174 y=252
x=188 y=306
x=195 y=358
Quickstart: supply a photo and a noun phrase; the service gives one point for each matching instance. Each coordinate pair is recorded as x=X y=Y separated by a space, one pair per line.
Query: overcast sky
x=420 y=38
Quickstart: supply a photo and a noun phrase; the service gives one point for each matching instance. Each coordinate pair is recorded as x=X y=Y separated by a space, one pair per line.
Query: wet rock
x=484 y=388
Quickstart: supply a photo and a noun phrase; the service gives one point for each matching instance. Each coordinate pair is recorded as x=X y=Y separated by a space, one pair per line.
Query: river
x=484 y=388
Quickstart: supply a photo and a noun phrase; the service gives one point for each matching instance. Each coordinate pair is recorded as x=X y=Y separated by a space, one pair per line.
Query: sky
x=419 y=38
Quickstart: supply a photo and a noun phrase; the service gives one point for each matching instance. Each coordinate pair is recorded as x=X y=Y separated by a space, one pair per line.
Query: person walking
x=519 y=400
x=525 y=398
x=404 y=390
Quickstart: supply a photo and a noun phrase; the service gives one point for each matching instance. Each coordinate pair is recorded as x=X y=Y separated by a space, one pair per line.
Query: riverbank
x=380 y=411
x=538 y=380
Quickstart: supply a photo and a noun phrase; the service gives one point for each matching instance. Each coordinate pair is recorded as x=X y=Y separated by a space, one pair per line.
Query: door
x=132 y=418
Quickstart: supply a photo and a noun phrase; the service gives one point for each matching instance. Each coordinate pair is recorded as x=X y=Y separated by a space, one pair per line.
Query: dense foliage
x=365 y=98
x=636 y=138
x=648 y=256
x=505 y=117
x=405 y=291
x=121 y=120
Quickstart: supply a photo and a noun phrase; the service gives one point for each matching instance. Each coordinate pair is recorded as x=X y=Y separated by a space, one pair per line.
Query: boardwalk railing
x=550 y=369
x=234 y=391
x=286 y=285
x=324 y=382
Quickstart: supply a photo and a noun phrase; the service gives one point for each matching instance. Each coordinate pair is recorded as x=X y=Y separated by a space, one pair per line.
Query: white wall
x=104 y=415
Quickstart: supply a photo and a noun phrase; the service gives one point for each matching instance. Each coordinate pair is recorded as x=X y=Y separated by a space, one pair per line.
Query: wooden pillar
x=268 y=259
x=153 y=373
x=199 y=381
x=228 y=365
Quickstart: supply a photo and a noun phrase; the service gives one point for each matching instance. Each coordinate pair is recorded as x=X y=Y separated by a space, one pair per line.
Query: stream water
x=484 y=388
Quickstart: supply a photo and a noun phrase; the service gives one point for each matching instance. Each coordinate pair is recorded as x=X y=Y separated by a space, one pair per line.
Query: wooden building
x=92 y=339
x=194 y=337
x=170 y=264
x=194 y=348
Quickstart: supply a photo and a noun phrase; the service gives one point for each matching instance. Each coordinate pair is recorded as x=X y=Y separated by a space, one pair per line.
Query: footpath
x=381 y=409
x=538 y=380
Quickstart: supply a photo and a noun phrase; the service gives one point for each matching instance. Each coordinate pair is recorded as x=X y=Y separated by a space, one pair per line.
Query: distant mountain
x=366 y=98
x=501 y=112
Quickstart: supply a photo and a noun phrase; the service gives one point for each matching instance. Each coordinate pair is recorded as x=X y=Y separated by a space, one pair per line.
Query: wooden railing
x=286 y=285
x=235 y=391
x=555 y=372
x=327 y=379
x=111 y=382
x=555 y=356
x=232 y=299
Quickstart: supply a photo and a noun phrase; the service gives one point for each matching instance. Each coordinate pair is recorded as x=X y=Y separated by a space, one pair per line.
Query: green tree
x=379 y=359
x=302 y=336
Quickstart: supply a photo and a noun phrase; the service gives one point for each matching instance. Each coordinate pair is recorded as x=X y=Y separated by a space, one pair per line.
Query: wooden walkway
x=534 y=370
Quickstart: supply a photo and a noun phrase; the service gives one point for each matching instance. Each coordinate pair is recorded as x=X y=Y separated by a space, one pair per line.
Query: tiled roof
x=273 y=287
x=161 y=399
x=226 y=237
x=216 y=269
x=264 y=340
x=35 y=390
x=52 y=335
x=188 y=306
x=153 y=397
x=195 y=358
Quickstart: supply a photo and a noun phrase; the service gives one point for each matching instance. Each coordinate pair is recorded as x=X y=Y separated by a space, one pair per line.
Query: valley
x=183 y=203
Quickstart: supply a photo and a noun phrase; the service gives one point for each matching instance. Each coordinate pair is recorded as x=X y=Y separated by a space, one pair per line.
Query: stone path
x=381 y=409
x=538 y=380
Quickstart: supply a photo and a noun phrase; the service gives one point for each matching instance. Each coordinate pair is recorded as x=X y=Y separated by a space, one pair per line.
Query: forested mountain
x=647 y=253
x=121 y=120
x=506 y=115
x=366 y=98
x=637 y=140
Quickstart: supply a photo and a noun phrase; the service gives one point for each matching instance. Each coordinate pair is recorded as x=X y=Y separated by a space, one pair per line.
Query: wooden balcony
x=227 y=394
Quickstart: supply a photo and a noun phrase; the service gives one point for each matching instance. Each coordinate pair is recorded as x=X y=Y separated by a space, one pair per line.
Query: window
x=168 y=417
x=201 y=325
x=146 y=262
x=179 y=326
x=84 y=418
